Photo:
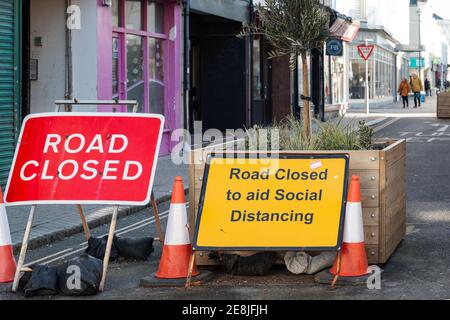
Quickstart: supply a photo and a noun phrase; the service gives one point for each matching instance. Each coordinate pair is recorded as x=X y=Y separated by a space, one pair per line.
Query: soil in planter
x=380 y=146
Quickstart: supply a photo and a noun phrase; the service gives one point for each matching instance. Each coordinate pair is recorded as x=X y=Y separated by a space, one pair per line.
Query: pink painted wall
x=104 y=54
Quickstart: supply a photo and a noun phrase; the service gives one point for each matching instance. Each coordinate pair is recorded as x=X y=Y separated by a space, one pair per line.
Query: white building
x=428 y=29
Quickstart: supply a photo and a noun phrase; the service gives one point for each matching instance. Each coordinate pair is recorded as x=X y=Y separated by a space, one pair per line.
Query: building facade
x=428 y=32
x=179 y=58
x=380 y=21
x=105 y=50
x=279 y=89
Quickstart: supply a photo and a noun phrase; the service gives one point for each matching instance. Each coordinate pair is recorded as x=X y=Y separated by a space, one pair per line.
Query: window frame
x=121 y=32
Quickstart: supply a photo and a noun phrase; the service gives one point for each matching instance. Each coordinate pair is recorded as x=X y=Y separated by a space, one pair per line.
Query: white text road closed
x=88 y=169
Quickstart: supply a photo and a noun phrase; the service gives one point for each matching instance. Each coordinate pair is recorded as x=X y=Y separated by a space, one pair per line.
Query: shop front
x=382 y=76
x=139 y=58
x=335 y=82
x=218 y=65
x=386 y=68
x=333 y=61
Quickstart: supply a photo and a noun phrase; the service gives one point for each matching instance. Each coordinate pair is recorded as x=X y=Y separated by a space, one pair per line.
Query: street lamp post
x=367 y=95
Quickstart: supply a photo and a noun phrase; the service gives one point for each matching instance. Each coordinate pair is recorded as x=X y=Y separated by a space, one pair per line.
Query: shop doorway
x=218 y=73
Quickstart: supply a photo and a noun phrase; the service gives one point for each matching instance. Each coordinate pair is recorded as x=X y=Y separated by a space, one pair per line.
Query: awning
x=342 y=27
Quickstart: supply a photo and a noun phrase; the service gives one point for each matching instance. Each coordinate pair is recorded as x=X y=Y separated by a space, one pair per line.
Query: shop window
x=115 y=66
x=135 y=83
x=156 y=75
x=357 y=79
x=138 y=54
x=155 y=16
x=257 y=78
x=133 y=14
x=381 y=75
x=337 y=71
x=115 y=13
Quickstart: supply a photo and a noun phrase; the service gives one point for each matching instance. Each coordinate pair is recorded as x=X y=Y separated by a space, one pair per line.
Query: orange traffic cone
x=7 y=262
x=353 y=260
x=174 y=263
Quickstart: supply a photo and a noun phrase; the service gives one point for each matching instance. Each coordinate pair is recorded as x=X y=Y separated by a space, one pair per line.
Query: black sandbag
x=89 y=269
x=97 y=247
x=258 y=264
x=42 y=281
x=134 y=248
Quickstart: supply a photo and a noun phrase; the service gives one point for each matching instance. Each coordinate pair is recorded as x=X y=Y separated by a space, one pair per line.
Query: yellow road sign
x=292 y=202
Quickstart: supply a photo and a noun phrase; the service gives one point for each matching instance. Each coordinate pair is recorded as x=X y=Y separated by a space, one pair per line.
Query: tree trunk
x=306 y=104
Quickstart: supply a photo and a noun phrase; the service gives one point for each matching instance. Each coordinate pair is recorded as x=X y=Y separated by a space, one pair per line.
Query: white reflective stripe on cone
x=5 y=235
x=177 y=232
x=354 y=227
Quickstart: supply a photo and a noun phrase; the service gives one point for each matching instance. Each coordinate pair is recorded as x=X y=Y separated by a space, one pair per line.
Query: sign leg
x=157 y=220
x=191 y=268
x=87 y=232
x=112 y=229
x=23 y=250
x=336 y=277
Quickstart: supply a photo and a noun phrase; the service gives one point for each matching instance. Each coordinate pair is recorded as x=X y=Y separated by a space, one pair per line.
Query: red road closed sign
x=85 y=158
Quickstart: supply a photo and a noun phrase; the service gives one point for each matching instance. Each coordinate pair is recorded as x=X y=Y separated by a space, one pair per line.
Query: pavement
x=55 y=222
x=428 y=109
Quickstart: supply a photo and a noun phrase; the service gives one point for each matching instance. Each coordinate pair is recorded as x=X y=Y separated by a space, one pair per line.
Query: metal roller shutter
x=9 y=83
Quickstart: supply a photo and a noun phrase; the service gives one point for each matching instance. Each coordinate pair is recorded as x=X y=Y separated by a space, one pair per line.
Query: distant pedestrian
x=417 y=88
x=428 y=87
x=404 y=90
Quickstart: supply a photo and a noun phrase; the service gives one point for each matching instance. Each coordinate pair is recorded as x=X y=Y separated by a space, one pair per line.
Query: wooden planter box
x=443 y=106
x=383 y=190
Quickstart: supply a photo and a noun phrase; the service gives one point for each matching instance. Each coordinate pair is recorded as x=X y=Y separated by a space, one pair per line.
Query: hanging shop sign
x=335 y=47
